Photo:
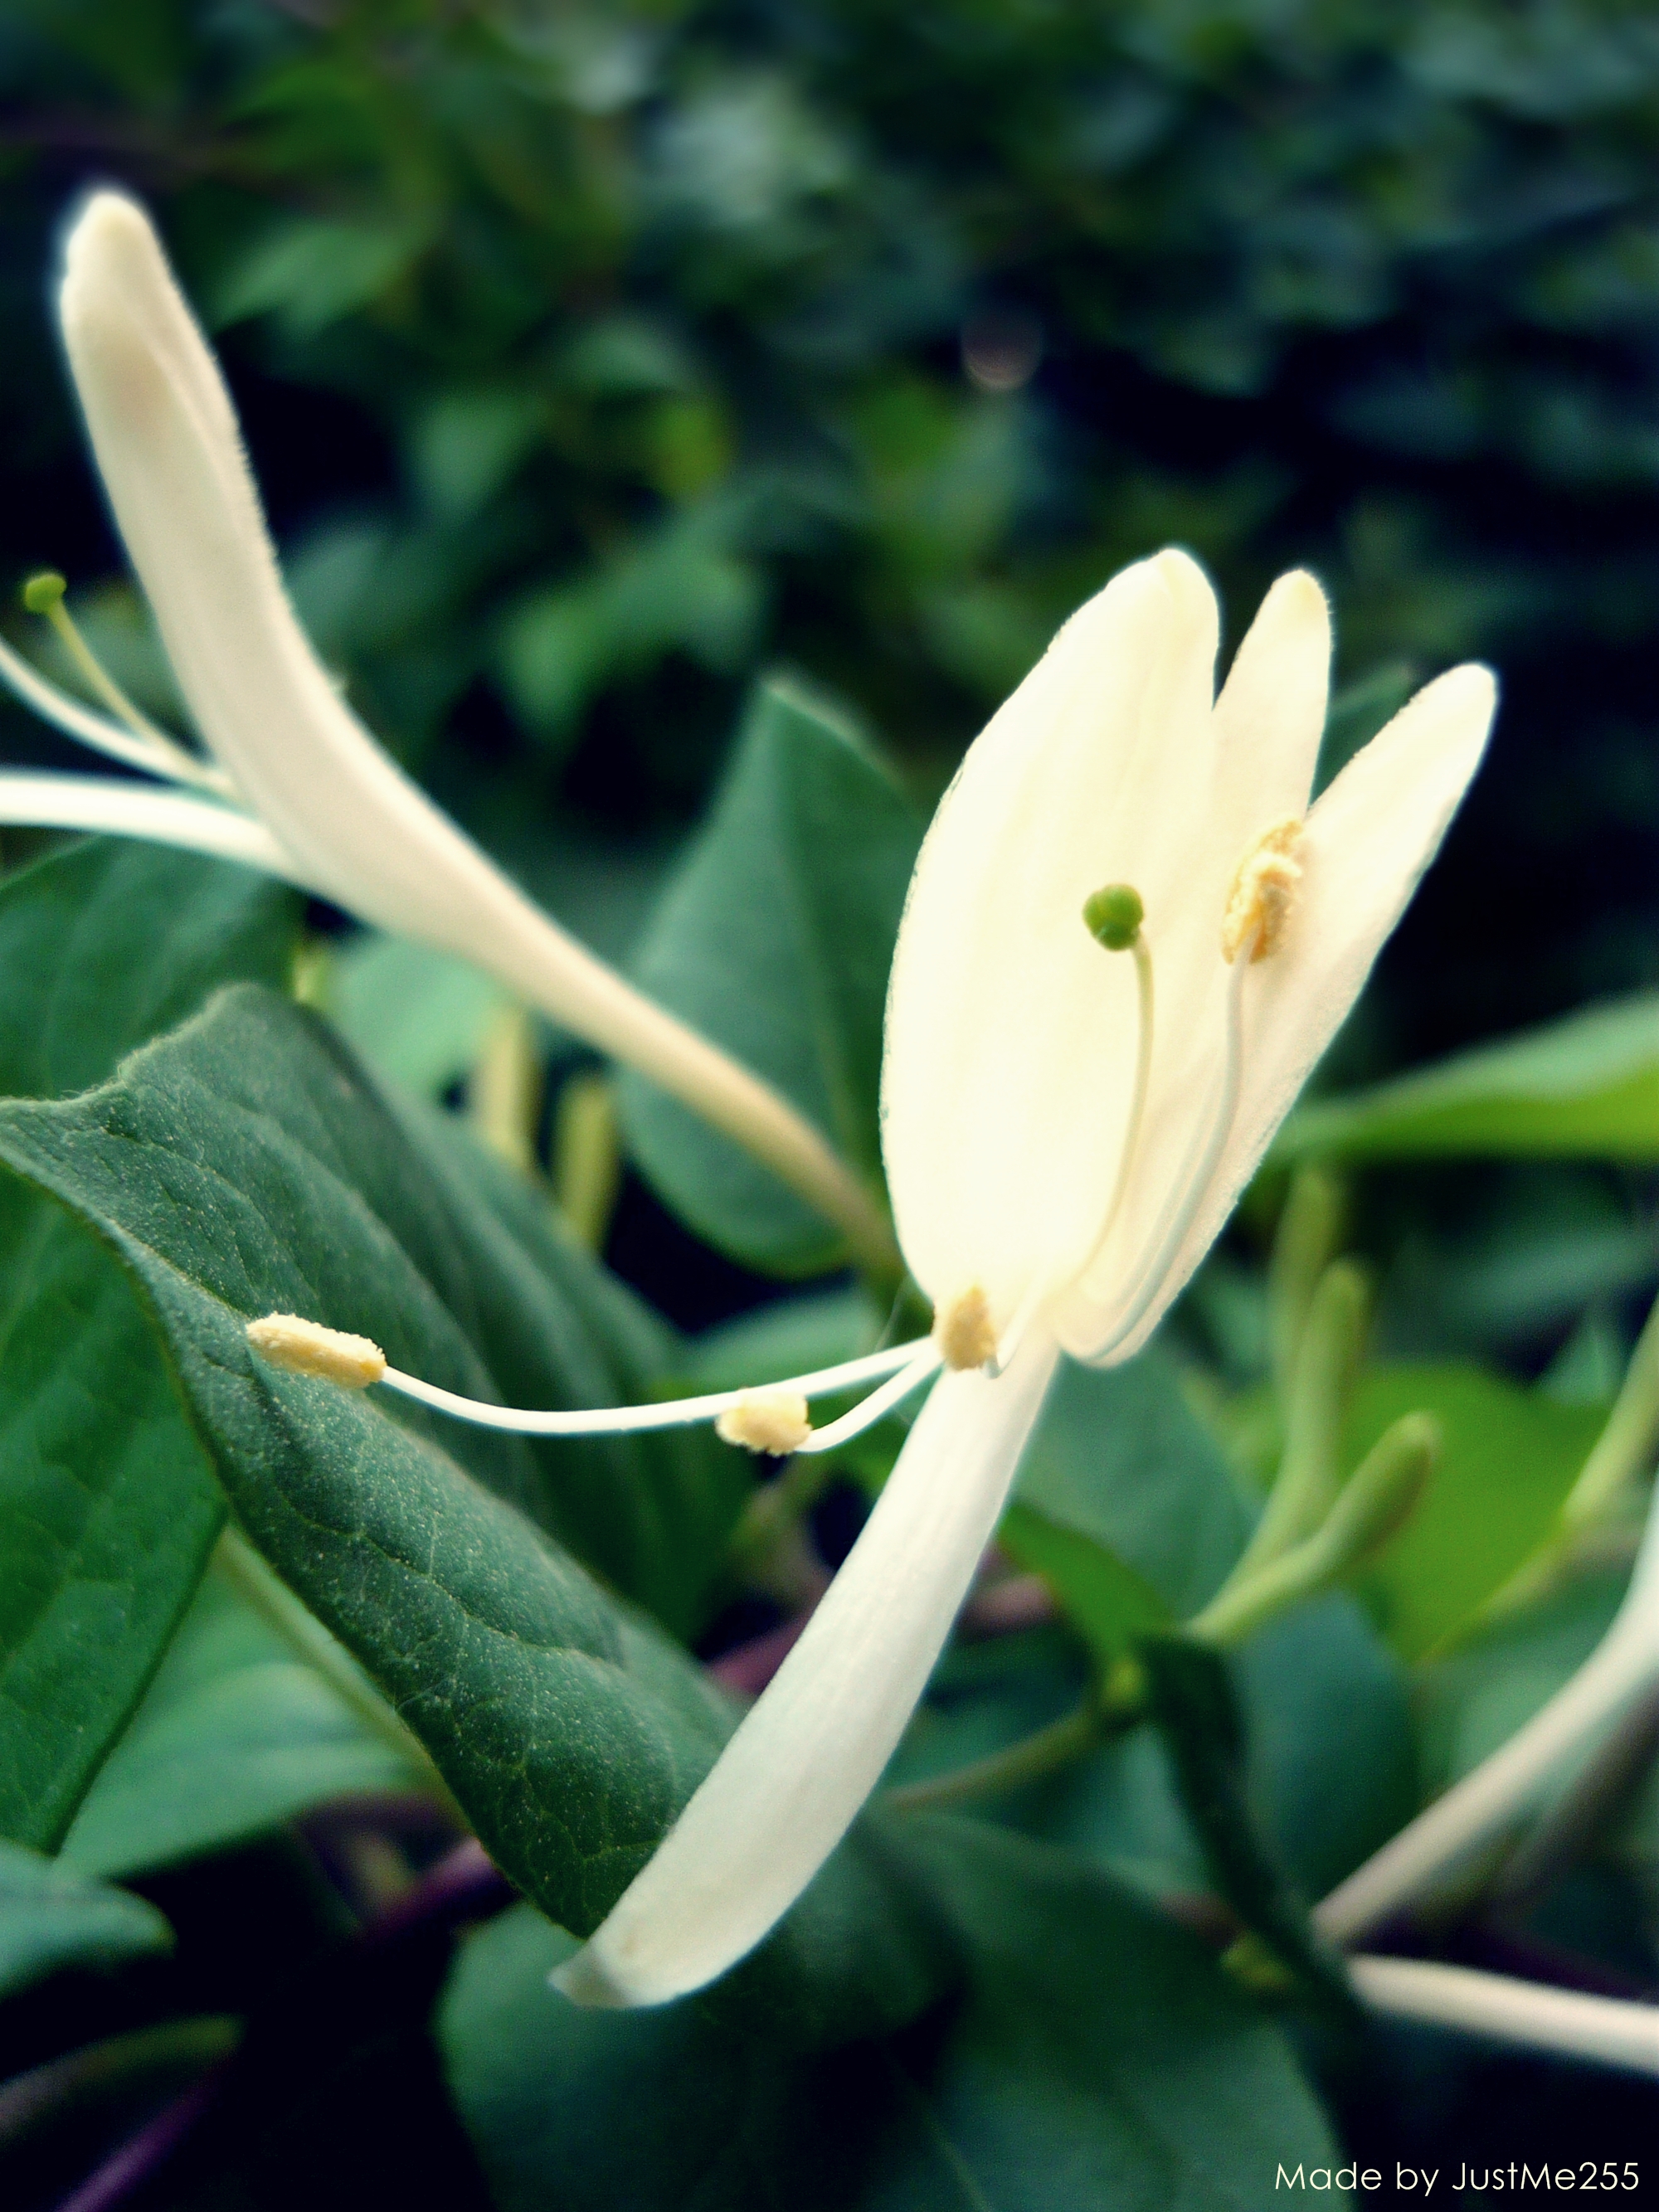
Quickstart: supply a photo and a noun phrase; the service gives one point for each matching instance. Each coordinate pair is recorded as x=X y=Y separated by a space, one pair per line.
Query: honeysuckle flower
x=318 y=800
x=1128 y=940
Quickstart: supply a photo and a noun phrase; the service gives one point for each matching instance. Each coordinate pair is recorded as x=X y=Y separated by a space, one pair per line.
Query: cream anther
x=770 y=1421
x=963 y=1332
x=305 y=1347
x=1263 y=892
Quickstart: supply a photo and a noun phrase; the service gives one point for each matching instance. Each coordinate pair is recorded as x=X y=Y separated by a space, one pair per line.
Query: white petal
x=785 y=1788
x=166 y=442
x=1011 y=1035
x=45 y=800
x=1366 y=844
x=1270 y=716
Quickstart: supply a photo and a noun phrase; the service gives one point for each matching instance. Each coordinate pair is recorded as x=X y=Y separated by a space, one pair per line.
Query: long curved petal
x=1365 y=847
x=166 y=443
x=1010 y=1048
x=45 y=800
x=785 y=1789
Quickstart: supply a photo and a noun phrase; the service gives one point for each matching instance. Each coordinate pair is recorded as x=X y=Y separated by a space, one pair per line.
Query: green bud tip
x=41 y=593
x=1113 y=915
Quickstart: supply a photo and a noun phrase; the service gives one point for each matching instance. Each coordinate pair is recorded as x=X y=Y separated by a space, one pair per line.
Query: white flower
x=315 y=798
x=1063 y=1139
x=1066 y=1131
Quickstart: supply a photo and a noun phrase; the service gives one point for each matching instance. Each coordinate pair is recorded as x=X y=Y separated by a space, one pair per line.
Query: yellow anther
x=1263 y=892
x=771 y=1421
x=963 y=1332
x=305 y=1347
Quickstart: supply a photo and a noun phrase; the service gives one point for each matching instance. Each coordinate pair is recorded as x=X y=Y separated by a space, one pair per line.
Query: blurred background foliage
x=594 y=359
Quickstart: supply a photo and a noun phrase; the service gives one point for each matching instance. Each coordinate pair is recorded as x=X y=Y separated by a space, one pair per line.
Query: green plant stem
x=259 y=1586
x=1060 y=1744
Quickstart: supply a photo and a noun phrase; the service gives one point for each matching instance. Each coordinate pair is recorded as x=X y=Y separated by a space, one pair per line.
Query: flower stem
x=1064 y=1741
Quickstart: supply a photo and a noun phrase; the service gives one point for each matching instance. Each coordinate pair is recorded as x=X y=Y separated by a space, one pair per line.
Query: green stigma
x=1113 y=915
x=43 y=592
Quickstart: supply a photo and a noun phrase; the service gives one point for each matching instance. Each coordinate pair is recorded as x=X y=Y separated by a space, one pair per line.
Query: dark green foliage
x=1096 y=2059
x=108 y=1507
x=593 y=358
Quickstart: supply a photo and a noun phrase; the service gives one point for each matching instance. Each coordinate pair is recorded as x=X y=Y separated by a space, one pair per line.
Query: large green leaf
x=1588 y=1085
x=107 y=1506
x=1509 y=1458
x=50 y=1916
x=243 y=1165
x=1097 y=2061
x=774 y=938
x=1119 y=1459
x=234 y=1736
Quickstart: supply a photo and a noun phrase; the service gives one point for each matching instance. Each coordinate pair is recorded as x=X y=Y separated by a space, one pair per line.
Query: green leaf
x=1108 y=1600
x=774 y=938
x=243 y=1165
x=1332 y=1752
x=50 y=1917
x=1472 y=1701
x=1510 y=1455
x=234 y=1736
x=418 y=1017
x=1120 y=1459
x=1097 y=2060
x=1586 y=1087
x=1193 y=1701
x=107 y=1506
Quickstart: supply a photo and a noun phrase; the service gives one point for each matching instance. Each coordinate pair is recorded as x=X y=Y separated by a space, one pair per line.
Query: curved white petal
x=1011 y=1035
x=166 y=442
x=1270 y=716
x=785 y=1788
x=1366 y=844
x=44 y=801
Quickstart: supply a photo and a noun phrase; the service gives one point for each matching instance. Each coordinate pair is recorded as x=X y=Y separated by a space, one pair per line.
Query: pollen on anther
x=1263 y=892
x=305 y=1347
x=774 y=1422
x=963 y=1332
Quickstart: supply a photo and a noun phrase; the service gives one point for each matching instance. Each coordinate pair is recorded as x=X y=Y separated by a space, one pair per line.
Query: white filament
x=674 y=1412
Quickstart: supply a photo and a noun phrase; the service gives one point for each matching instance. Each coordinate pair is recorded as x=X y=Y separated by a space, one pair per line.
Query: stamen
x=774 y=1422
x=131 y=737
x=1263 y=892
x=963 y=1330
x=919 y=1355
x=878 y=1404
x=305 y=1347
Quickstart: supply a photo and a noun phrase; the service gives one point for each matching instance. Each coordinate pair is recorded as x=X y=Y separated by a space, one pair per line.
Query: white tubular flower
x=1063 y=1141
x=350 y=824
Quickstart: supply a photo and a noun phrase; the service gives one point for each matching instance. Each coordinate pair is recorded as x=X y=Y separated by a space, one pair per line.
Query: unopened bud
x=774 y=1422
x=1382 y=1494
x=1113 y=915
x=41 y=593
x=305 y=1347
